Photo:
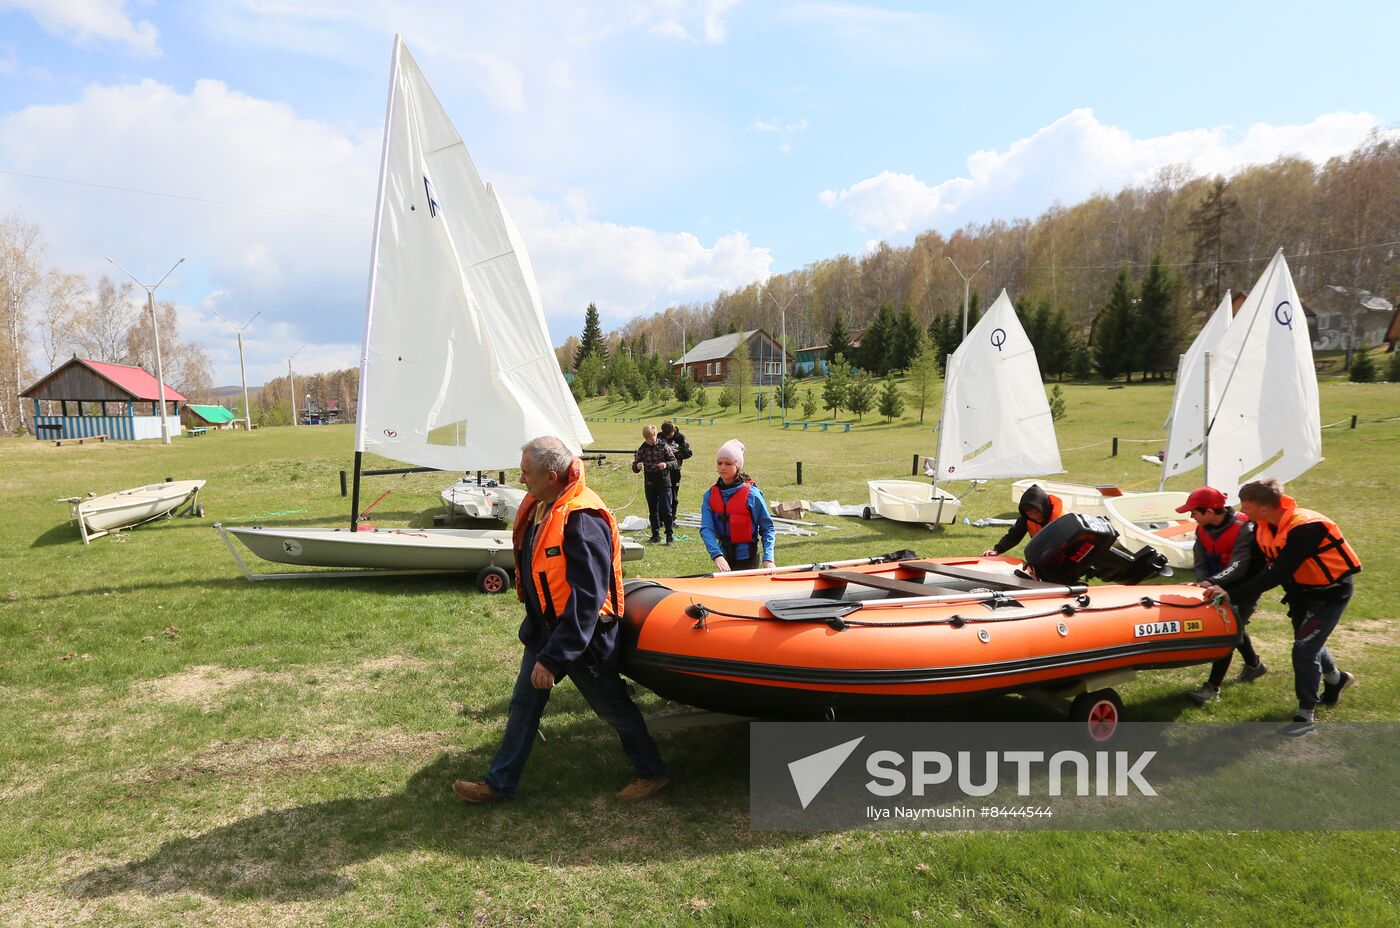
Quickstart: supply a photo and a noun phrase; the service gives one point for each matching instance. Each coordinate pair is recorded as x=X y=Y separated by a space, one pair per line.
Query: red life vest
x=733 y=521
x=1219 y=547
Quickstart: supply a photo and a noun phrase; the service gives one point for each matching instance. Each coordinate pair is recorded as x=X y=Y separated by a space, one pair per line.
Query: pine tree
x=838 y=384
x=839 y=341
x=728 y=397
x=1392 y=371
x=905 y=344
x=589 y=376
x=1156 y=334
x=1081 y=360
x=923 y=373
x=702 y=399
x=685 y=386
x=1060 y=342
x=891 y=400
x=593 y=343
x=860 y=396
x=1207 y=223
x=1057 y=403
x=1363 y=369
x=809 y=404
x=1110 y=340
x=875 y=344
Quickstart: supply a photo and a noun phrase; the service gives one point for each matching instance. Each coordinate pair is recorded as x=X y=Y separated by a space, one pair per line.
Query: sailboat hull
x=1077 y=497
x=913 y=501
x=453 y=550
x=102 y=514
x=485 y=500
x=1151 y=519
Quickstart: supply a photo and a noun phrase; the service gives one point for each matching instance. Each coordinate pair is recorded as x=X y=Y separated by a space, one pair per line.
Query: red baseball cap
x=1204 y=498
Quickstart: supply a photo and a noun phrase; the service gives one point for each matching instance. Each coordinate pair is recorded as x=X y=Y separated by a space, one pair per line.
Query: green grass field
x=181 y=747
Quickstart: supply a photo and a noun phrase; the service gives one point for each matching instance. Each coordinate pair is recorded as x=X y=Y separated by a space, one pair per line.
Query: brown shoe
x=473 y=791
x=640 y=788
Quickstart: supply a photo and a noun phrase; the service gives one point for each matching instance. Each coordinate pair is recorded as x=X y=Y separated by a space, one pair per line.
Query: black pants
x=1245 y=647
x=659 y=507
x=675 y=493
x=1313 y=617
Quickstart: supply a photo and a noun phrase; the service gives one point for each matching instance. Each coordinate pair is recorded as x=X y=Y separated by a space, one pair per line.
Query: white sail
x=456 y=370
x=996 y=420
x=1266 y=421
x=1186 y=424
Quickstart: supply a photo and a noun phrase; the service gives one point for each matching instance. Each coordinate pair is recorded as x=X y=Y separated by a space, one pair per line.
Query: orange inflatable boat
x=900 y=635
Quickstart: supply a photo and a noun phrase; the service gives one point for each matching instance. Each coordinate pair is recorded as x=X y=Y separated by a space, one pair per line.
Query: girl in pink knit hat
x=734 y=521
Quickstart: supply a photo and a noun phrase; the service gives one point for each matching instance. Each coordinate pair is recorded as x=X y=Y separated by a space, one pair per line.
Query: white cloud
x=1073 y=158
x=85 y=21
x=784 y=131
x=302 y=261
x=867 y=35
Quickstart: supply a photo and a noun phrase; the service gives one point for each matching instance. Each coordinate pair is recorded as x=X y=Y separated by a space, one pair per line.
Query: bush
x=728 y=396
x=702 y=399
x=1363 y=369
x=809 y=402
x=1057 y=403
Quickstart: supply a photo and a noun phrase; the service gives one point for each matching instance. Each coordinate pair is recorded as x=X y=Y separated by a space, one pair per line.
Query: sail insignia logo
x=1283 y=312
x=433 y=207
x=998 y=338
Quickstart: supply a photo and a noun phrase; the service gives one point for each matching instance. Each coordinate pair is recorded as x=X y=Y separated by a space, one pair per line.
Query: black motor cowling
x=1075 y=547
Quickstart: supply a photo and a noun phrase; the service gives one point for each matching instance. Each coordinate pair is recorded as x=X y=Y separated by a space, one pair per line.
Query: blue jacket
x=763 y=528
x=578 y=639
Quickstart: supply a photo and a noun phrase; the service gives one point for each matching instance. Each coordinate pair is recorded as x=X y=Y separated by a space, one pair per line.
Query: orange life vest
x=1333 y=559
x=1057 y=509
x=547 y=553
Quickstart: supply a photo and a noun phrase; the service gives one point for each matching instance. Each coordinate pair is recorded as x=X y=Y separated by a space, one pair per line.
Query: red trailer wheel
x=1100 y=712
x=493 y=580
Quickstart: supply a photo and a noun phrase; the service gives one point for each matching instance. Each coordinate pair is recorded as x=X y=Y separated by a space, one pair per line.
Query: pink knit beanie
x=732 y=450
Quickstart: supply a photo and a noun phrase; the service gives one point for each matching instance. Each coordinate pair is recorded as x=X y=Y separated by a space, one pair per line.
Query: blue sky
x=651 y=152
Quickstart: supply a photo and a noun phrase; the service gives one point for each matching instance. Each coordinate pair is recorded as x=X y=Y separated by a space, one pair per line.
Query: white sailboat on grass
x=996 y=421
x=456 y=371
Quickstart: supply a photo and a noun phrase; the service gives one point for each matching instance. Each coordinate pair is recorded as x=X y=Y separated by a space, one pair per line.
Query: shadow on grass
x=64 y=534
x=566 y=813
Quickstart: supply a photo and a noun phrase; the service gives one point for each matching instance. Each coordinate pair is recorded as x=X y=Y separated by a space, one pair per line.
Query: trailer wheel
x=867 y=512
x=1099 y=712
x=492 y=580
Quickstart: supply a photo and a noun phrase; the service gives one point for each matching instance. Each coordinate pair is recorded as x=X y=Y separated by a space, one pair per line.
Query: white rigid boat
x=410 y=550
x=912 y=501
x=100 y=515
x=1151 y=519
x=1077 y=497
x=483 y=498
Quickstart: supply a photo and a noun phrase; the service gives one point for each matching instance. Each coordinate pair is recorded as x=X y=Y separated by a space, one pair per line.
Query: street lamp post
x=967 y=286
x=293 y=384
x=242 y=371
x=155 y=333
x=681 y=325
x=782 y=345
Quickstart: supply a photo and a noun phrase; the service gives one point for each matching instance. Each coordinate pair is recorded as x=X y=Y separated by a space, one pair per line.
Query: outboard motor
x=1075 y=547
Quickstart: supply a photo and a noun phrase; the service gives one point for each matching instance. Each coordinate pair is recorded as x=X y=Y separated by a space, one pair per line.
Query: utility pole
x=242 y=371
x=967 y=286
x=782 y=370
x=155 y=332
x=293 y=384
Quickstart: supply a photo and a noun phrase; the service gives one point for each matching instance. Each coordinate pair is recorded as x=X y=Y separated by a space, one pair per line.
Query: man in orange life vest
x=1037 y=510
x=1308 y=556
x=568 y=563
x=1226 y=556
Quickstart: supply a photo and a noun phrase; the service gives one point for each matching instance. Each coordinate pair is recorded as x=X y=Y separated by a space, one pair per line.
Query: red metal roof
x=134 y=380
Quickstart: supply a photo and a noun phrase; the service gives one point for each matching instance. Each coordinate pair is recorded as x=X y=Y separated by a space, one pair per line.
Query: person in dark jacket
x=1309 y=558
x=569 y=577
x=657 y=463
x=1036 y=510
x=1225 y=556
x=676 y=439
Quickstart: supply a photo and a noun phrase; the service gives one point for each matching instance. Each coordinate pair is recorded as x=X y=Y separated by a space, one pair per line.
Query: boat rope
x=1082 y=603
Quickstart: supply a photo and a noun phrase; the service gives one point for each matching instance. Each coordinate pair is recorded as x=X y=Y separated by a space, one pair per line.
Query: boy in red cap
x=1226 y=556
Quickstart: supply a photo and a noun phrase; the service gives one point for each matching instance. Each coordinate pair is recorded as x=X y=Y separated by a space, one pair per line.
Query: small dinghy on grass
x=100 y=515
x=898 y=635
x=1151 y=519
x=1077 y=497
x=483 y=498
x=911 y=501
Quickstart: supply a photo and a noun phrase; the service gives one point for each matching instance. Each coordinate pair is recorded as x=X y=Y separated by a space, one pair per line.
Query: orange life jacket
x=547 y=560
x=1333 y=559
x=732 y=520
x=1057 y=509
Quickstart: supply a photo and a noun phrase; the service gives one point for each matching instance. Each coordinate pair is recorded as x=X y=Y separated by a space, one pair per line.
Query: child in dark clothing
x=656 y=461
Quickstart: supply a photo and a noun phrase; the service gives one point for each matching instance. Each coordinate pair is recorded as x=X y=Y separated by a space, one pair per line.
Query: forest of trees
x=1339 y=223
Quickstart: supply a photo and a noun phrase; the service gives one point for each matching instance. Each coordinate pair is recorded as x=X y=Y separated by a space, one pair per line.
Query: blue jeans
x=605 y=692
x=1313 y=620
